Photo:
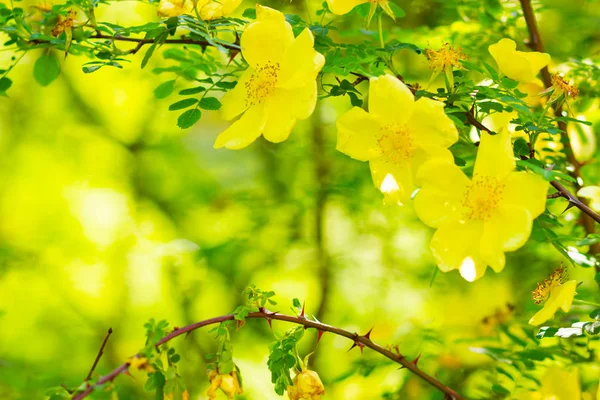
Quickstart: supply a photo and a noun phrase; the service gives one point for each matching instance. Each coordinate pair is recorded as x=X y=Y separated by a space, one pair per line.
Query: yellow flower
x=533 y=90
x=278 y=88
x=208 y=9
x=592 y=193
x=140 y=363
x=518 y=65
x=341 y=7
x=583 y=140
x=396 y=136
x=479 y=219
x=556 y=384
x=556 y=292
x=228 y=383
x=444 y=60
x=306 y=386
x=561 y=89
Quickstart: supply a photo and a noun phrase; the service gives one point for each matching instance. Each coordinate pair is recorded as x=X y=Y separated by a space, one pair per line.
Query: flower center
x=556 y=278
x=396 y=142
x=482 y=197
x=262 y=83
x=446 y=57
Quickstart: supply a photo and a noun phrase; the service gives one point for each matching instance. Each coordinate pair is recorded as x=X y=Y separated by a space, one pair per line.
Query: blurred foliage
x=111 y=215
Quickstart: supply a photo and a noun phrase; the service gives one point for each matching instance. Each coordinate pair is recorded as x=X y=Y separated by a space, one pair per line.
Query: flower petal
x=212 y=9
x=495 y=156
x=235 y=101
x=395 y=181
x=517 y=65
x=174 y=8
x=592 y=193
x=281 y=118
x=455 y=246
x=265 y=41
x=560 y=297
x=341 y=7
x=526 y=190
x=390 y=100
x=356 y=135
x=537 y=61
x=430 y=125
x=443 y=187
x=264 y=13
x=301 y=63
x=243 y=131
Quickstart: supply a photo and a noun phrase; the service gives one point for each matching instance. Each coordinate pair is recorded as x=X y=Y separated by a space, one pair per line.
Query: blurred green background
x=111 y=215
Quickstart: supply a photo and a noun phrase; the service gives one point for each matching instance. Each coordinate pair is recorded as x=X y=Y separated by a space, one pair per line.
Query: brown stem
x=362 y=341
x=99 y=355
x=537 y=45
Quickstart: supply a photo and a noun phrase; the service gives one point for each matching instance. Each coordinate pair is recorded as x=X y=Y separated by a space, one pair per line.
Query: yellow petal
x=280 y=117
x=593 y=194
x=390 y=100
x=583 y=140
x=341 y=7
x=174 y=8
x=264 y=13
x=517 y=65
x=430 y=125
x=243 y=131
x=265 y=41
x=526 y=190
x=498 y=122
x=443 y=187
x=532 y=90
x=395 y=181
x=560 y=297
x=235 y=101
x=537 y=61
x=455 y=245
x=301 y=63
x=356 y=135
x=559 y=383
x=495 y=156
x=385 y=6
x=507 y=230
x=212 y=9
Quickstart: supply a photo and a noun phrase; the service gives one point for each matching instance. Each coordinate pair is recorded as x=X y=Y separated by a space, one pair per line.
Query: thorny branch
x=100 y=352
x=360 y=341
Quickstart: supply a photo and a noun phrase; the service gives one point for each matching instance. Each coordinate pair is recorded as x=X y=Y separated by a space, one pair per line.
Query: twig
x=358 y=340
x=473 y=121
x=99 y=355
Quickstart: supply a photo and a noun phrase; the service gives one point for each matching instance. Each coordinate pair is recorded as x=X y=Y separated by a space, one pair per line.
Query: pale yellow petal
x=264 y=13
x=301 y=63
x=390 y=100
x=537 y=61
x=443 y=187
x=280 y=118
x=264 y=42
x=495 y=157
x=174 y=8
x=527 y=190
x=235 y=101
x=341 y=7
x=517 y=65
x=498 y=122
x=430 y=125
x=560 y=297
x=593 y=194
x=243 y=131
x=560 y=383
x=356 y=135
x=395 y=181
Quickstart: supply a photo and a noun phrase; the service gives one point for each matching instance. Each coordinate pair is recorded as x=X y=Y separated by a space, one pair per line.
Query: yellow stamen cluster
x=482 y=197
x=64 y=23
x=445 y=58
x=556 y=278
x=561 y=86
x=262 y=83
x=396 y=142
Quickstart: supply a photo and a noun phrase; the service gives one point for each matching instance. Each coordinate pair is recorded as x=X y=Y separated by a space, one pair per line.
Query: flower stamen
x=556 y=278
x=482 y=197
x=396 y=142
x=262 y=83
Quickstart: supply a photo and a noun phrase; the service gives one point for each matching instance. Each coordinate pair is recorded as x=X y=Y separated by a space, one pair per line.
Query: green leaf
x=398 y=12
x=5 y=84
x=181 y=104
x=521 y=147
x=46 y=69
x=190 y=91
x=249 y=13
x=148 y=54
x=188 y=118
x=164 y=89
x=210 y=103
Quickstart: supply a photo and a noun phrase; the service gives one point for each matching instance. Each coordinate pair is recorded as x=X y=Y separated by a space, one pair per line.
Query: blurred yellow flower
x=556 y=292
x=140 y=363
x=228 y=383
x=341 y=7
x=208 y=9
x=478 y=220
x=278 y=88
x=556 y=384
x=396 y=136
x=593 y=194
x=583 y=140
x=518 y=65
x=306 y=386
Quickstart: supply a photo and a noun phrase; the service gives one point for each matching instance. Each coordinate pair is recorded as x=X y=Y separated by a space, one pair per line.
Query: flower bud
x=228 y=383
x=306 y=386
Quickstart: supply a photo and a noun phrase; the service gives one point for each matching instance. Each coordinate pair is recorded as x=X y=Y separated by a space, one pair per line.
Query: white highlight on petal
x=389 y=184
x=467 y=269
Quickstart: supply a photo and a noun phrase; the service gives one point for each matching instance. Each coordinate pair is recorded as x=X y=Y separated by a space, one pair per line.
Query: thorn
x=319 y=335
x=187 y=334
x=357 y=344
x=270 y=323
x=416 y=360
x=240 y=324
x=570 y=205
x=368 y=334
x=302 y=312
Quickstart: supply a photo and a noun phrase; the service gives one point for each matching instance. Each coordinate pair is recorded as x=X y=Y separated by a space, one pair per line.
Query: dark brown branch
x=358 y=340
x=474 y=122
x=537 y=45
x=100 y=352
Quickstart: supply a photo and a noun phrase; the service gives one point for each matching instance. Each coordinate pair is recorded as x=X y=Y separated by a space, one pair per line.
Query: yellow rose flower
x=228 y=383
x=479 y=219
x=278 y=88
x=341 y=7
x=396 y=136
x=208 y=9
x=555 y=292
x=518 y=65
x=306 y=386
